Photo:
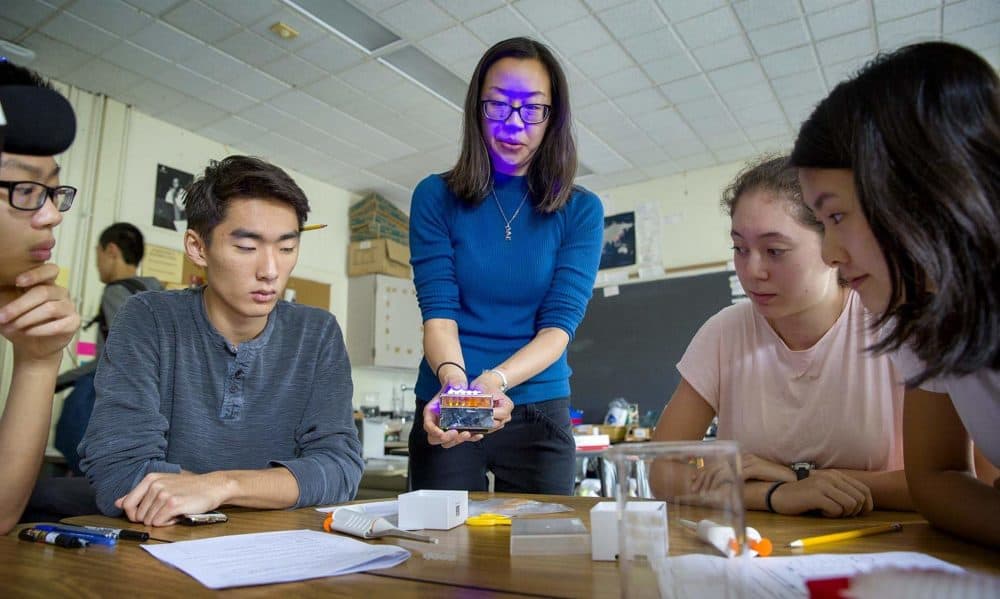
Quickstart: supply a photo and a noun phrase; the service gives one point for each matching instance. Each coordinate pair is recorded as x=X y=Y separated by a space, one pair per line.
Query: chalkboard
x=628 y=345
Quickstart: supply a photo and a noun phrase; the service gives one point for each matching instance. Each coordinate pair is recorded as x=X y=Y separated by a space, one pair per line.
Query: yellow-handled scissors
x=488 y=520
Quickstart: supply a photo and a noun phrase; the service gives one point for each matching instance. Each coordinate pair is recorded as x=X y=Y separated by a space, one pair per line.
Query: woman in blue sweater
x=505 y=251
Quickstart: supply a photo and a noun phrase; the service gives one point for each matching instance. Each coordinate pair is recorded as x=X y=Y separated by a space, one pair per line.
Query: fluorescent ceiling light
x=427 y=73
x=347 y=22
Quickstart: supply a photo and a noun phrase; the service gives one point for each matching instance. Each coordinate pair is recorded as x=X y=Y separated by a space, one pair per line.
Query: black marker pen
x=52 y=538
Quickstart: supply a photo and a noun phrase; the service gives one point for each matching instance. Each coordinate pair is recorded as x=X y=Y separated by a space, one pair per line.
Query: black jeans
x=533 y=453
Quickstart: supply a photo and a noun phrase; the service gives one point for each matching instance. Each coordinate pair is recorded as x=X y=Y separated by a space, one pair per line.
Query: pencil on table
x=847 y=534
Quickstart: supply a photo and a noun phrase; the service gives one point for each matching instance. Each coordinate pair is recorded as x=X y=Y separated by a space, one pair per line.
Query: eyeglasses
x=531 y=114
x=30 y=195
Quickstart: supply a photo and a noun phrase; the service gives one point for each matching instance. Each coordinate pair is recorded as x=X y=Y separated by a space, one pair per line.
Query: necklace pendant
x=507 y=233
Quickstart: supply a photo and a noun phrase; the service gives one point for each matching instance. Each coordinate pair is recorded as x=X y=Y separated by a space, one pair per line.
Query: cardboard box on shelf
x=374 y=217
x=378 y=256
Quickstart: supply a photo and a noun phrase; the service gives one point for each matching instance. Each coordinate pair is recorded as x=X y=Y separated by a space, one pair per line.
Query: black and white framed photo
x=168 y=201
x=619 y=240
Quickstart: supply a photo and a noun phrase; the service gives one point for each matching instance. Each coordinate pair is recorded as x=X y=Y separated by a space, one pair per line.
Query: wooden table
x=469 y=561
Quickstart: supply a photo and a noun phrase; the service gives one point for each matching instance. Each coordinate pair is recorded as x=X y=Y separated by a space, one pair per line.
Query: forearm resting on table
x=24 y=430
x=273 y=488
x=889 y=490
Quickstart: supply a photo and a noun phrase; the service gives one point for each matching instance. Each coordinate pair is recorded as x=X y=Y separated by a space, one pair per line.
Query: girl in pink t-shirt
x=787 y=373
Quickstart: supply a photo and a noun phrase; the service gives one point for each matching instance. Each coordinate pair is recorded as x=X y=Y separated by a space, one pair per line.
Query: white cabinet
x=384 y=326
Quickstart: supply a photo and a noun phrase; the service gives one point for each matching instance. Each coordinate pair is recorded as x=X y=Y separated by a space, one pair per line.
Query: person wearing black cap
x=36 y=316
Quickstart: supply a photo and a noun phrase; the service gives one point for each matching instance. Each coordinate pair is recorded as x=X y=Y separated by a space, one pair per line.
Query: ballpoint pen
x=90 y=536
x=52 y=538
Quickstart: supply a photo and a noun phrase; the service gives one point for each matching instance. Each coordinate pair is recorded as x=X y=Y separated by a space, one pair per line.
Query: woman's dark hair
x=553 y=167
x=129 y=240
x=920 y=129
x=235 y=177
x=771 y=173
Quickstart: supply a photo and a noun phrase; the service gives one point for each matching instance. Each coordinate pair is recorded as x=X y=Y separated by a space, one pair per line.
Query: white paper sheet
x=376 y=509
x=700 y=575
x=265 y=558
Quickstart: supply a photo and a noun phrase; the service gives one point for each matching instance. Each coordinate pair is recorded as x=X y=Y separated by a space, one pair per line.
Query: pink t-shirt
x=833 y=404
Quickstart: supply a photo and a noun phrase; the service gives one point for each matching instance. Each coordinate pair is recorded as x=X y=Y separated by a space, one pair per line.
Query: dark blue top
x=501 y=293
x=172 y=393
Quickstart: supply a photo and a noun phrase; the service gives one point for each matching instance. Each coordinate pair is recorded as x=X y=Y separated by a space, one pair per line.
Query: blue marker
x=74 y=531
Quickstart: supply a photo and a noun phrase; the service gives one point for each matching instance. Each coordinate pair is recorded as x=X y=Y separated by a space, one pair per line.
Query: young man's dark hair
x=209 y=196
x=129 y=240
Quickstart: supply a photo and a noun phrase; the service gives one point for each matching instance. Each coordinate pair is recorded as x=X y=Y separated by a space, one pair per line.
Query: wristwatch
x=802 y=469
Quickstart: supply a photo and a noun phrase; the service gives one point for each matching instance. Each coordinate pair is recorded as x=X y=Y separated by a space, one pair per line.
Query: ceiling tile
x=842 y=19
x=752 y=95
x=671 y=68
x=308 y=30
x=371 y=77
x=623 y=82
x=632 y=19
x=79 y=33
x=201 y=21
x=53 y=58
x=661 y=170
x=250 y=48
x=730 y=51
x=409 y=131
x=154 y=7
x=331 y=54
x=781 y=144
x=641 y=102
x=375 y=6
x=167 y=42
x=720 y=24
x=920 y=27
x=685 y=90
x=453 y=44
x=186 y=81
x=978 y=38
x=499 y=25
x=139 y=60
x=598 y=114
x=256 y=84
x=583 y=92
x=806 y=82
x=153 y=98
x=887 y=10
x=969 y=13
x=232 y=130
x=464 y=10
x=788 y=62
x=602 y=61
x=696 y=161
x=215 y=65
x=579 y=36
x=737 y=76
x=679 y=10
x=293 y=70
x=750 y=116
x=734 y=153
x=297 y=102
x=113 y=15
x=404 y=96
x=767 y=130
x=268 y=117
x=599 y=5
x=227 y=99
x=837 y=72
x=679 y=149
x=244 y=12
x=549 y=14
x=844 y=47
x=812 y=6
x=463 y=68
x=29 y=13
x=192 y=114
x=666 y=122
x=755 y=14
x=653 y=45
x=416 y=19
x=775 y=38
x=333 y=91
x=11 y=30
x=702 y=108
x=102 y=77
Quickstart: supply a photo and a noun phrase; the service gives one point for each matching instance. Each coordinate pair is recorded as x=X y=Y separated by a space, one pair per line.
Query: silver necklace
x=508 y=221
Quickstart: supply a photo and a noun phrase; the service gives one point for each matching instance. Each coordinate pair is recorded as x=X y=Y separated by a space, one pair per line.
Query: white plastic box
x=436 y=510
x=646 y=520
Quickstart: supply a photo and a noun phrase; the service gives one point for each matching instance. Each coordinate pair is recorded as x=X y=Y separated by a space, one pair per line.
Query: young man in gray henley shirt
x=225 y=395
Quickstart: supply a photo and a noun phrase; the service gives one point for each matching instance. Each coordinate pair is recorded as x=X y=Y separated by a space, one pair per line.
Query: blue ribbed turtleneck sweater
x=501 y=293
